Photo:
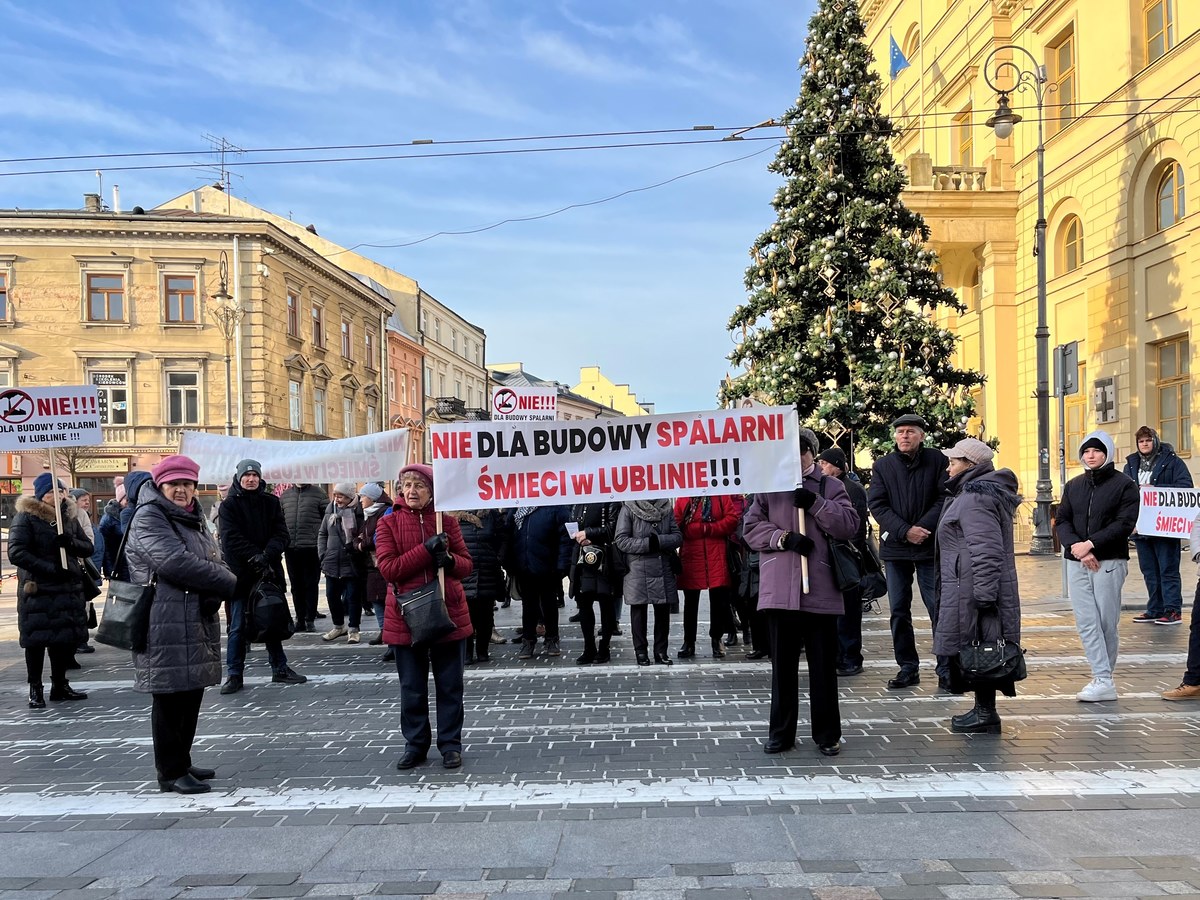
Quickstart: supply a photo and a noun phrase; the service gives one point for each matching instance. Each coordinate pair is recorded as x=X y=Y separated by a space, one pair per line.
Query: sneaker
x=1097 y=691
x=1144 y=618
x=552 y=648
x=1183 y=692
x=526 y=650
x=334 y=633
x=288 y=676
x=1171 y=618
x=353 y=638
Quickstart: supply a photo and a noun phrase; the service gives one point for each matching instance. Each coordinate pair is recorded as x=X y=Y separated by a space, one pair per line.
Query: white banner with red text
x=480 y=465
x=372 y=457
x=1166 y=511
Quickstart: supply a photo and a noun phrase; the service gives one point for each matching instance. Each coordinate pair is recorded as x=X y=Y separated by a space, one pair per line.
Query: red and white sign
x=44 y=418
x=1167 y=512
x=524 y=404
x=489 y=465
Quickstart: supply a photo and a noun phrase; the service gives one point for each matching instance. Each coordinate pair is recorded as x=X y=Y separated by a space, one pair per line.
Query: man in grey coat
x=303 y=510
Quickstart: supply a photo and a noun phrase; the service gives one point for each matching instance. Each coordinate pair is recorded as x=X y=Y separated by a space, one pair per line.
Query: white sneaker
x=334 y=633
x=353 y=638
x=1097 y=691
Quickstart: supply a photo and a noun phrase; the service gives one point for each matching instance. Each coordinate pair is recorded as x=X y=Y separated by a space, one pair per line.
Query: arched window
x=1169 y=195
x=912 y=43
x=1071 y=247
x=972 y=291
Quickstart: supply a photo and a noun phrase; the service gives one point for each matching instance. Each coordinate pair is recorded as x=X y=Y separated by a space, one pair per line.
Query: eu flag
x=898 y=62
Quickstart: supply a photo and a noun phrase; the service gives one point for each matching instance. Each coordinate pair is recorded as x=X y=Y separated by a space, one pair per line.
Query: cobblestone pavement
x=615 y=782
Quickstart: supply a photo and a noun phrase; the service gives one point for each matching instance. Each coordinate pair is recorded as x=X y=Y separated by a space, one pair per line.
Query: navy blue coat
x=541 y=546
x=1168 y=471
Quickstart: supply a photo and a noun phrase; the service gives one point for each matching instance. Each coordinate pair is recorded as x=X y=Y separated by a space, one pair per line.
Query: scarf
x=649 y=510
x=522 y=514
x=346 y=515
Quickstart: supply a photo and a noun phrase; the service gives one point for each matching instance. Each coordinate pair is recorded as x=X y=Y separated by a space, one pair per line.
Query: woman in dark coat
x=169 y=541
x=707 y=523
x=977 y=568
x=595 y=576
x=51 y=611
x=409 y=550
x=375 y=502
x=484 y=531
x=646 y=534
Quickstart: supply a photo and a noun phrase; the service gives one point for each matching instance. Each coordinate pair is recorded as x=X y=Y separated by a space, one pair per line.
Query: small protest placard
x=48 y=417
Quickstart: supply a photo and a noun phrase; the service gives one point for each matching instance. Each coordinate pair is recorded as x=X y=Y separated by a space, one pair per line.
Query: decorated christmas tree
x=843 y=294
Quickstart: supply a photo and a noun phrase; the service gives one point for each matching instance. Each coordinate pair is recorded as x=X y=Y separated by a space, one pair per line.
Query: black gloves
x=804 y=498
x=436 y=543
x=798 y=543
x=64 y=540
x=260 y=563
x=653 y=539
x=985 y=605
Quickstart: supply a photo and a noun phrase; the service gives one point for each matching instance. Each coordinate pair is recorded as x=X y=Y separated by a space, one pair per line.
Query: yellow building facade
x=130 y=303
x=595 y=385
x=1122 y=153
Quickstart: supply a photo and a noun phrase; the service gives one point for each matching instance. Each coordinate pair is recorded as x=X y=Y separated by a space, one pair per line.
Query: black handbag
x=126 y=620
x=92 y=621
x=268 y=616
x=844 y=559
x=424 y=612
x=984 y=662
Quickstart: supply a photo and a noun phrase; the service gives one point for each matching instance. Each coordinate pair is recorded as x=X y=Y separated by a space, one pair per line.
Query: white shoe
x=353 y=638
x=1097 y=691
x=334 y=633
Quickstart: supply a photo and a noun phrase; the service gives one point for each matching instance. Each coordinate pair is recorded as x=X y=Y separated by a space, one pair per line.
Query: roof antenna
x=100 y=190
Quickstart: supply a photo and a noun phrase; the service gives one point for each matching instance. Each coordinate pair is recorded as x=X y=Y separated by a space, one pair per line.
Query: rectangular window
x=293 y=314
x=369 y=343
x=1061 y=101
x=413 y=402
x=180 y=291
x=183 y=398
x=458 y=390
x=347 y=417
x=106 y=298
x=454 y=340
x=3 y=296
x=1159 y=21
x=1174 y=389
x=295 y=417
x=391 y=384
x=441 y=384
x=372 y=420
x=346 y=346
x=318 y=327
x=437 y=330
x=964 y=140
x=113 y=391
x=319 y=410
x=428 y=380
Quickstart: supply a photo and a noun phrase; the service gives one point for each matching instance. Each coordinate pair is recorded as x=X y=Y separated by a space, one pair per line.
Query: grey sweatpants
x=1096 y=600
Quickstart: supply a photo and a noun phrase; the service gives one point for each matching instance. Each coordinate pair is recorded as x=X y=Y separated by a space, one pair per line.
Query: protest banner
x=1167 y=511
x=496 y=464
x=524 y=404
x=48 y=417
x=372 y=457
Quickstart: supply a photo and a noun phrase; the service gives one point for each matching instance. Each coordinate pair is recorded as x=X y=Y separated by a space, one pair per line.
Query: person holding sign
x=649 y=537
x=802 y=601
x=51 y=615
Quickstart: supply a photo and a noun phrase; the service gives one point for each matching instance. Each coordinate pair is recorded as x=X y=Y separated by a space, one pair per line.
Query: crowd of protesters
x=768 y=562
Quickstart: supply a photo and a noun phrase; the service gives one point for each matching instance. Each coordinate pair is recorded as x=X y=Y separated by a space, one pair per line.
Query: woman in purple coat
x=797 y=619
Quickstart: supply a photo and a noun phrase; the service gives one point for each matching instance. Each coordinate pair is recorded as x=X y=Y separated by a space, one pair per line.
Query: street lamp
x=228 y=317
x=1002 y=123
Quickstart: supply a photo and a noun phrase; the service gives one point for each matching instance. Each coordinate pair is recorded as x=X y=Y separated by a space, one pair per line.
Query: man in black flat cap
x=905 y=498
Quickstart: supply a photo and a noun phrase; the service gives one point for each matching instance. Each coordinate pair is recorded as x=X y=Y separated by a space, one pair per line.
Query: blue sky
x=641 y=286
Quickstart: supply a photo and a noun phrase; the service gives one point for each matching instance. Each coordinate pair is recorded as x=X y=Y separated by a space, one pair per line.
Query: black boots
x=718 y=648
x=687 y=651
x=62 y=690
x=37 y=699
x=602 y=655
x=980 y=720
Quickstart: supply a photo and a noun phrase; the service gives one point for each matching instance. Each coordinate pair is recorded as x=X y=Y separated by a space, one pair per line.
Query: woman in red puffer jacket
x=409 y=550
x=706 y=523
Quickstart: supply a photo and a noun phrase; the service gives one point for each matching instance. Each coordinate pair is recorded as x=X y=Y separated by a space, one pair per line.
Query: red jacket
x=405 y=564
x=703 y=552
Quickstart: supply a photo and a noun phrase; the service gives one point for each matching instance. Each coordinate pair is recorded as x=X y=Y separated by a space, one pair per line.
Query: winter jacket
x=376 y=586
x=252 y=523
x=649 y=579
x=540 y=547
x=976 y=562
x=705 y=536
x=339 y=556
x=303 y=511
x=50 y=602
x=599 y=520
x=1167 y=470
x=1098 y=505
x=111 y=531
x=174 y=545
x=133 y=484
x=405 y=564
x=484 y=533
x=779 y=571
x=907 y=491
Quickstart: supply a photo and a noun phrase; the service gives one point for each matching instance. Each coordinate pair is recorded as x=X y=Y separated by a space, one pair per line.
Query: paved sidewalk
x=616 y=782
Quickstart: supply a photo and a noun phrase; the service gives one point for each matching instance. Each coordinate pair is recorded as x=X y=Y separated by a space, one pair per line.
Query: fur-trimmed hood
x=1000 y=484
x=43 y=510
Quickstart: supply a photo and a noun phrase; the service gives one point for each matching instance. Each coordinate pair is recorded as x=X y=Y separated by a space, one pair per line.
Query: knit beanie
x=1093 y=444
x=175 y=468
x=371 y=491
x=835 y=457
x=76 y=493
x=247 y=465
x=42 y=485
x=345 y=488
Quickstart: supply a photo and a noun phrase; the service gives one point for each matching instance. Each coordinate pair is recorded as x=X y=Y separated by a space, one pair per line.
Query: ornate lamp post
x=228 y=318
x=1002 y=122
